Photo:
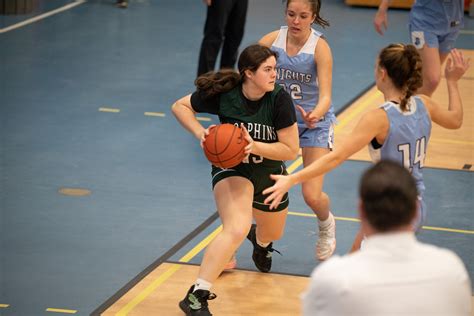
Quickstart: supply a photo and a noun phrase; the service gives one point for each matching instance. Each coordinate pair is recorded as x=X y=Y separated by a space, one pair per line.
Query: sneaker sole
x=185 y=308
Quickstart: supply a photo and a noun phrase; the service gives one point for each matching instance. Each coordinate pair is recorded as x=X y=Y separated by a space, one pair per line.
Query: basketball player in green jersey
x=250 y=99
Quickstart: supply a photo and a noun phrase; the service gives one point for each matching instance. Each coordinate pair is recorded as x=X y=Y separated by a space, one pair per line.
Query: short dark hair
x=389 y=195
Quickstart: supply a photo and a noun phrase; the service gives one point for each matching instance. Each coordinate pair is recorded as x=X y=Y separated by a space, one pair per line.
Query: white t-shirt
x=394 y=274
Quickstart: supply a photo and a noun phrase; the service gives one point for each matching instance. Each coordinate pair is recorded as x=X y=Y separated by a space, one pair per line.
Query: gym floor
x=100 y=186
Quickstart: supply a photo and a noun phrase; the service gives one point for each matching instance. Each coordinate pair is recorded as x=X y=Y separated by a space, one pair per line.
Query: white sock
x=202 y=285
x=326 y=222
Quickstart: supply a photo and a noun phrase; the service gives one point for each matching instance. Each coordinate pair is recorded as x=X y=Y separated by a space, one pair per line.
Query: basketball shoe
x=261 y=256
x=326 y=243
x=195 y=303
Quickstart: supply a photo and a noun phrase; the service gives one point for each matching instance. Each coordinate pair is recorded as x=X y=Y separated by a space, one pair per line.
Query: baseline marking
x=168 y=273
x=350 y=219
x=42 y=16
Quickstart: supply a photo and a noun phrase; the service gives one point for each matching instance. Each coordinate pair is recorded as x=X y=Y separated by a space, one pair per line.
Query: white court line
x=42 y=16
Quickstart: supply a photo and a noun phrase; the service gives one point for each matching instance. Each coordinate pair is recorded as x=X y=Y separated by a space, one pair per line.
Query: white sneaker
x=326 y=243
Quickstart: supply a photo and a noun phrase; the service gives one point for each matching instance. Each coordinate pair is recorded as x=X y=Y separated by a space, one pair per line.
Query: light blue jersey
x=436 y=23
x=407 y=140
x=298 y=75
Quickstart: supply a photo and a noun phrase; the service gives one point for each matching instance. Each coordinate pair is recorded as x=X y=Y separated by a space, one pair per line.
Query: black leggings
x=225 y=22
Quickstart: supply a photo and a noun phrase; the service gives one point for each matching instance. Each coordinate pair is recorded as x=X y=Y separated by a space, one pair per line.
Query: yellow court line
x=110 y=110
x=313 y=215
x=295 y=165
x=60 y=310
x=199 y=247
x=168 y=273
x=4 y=305
x=159 y=114
x=467 y=32
x=351 y=219
x=186 y=258
x=369 y=100
x=452 y=230
x=451 y=141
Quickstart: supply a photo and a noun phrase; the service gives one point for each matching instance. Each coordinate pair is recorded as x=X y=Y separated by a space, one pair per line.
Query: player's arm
x=286 y=148
x=452 y=117
x=324 y=62
x=380 y=18
x=186 y=116
x=371 y=125
x=268 y=39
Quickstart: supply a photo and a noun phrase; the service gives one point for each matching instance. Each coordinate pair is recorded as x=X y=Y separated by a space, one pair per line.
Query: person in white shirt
x=393 y=274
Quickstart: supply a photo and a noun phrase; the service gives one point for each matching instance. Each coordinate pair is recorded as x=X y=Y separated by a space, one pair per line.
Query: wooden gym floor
x=243 y=292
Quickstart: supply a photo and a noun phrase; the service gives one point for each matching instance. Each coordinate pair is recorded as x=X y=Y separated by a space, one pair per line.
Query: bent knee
x=431 y=81
x=315 y=200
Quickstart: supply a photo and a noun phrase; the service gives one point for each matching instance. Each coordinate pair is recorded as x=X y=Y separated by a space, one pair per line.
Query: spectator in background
x=224 y=27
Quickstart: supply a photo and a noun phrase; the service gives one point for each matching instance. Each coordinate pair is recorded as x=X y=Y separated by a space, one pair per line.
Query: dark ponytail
x=213 y=83
x=403 y=65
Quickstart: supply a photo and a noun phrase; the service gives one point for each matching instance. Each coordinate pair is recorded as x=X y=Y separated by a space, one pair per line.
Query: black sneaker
x=261 y=256
x=195 y=303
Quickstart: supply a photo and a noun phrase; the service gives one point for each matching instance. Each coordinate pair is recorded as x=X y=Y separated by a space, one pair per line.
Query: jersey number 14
x=419 y=157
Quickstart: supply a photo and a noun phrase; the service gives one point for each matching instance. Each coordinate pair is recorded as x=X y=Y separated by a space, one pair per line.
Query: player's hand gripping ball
x=224 y=146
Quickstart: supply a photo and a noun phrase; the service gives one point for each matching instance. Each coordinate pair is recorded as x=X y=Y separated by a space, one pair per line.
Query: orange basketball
x=224 y=146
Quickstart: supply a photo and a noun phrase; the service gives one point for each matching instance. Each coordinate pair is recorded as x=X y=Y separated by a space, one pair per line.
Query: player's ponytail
x=415 y=80
x=403 y=65
x=224 y=80
x=213 y=83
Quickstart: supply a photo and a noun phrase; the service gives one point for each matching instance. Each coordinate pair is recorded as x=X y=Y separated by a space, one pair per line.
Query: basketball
x=224 y=146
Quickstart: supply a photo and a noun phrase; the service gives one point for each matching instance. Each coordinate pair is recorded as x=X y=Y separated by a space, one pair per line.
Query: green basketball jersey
x=262 y=118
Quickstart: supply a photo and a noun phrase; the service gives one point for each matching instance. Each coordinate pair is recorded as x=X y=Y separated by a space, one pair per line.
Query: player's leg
x=214 y=28
x=233 y=197
x=269 y=227
x=319 y=203
x=234 y=32
x=434 y=49
x=270 y=224
x=315 y=144
x=432 y=61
